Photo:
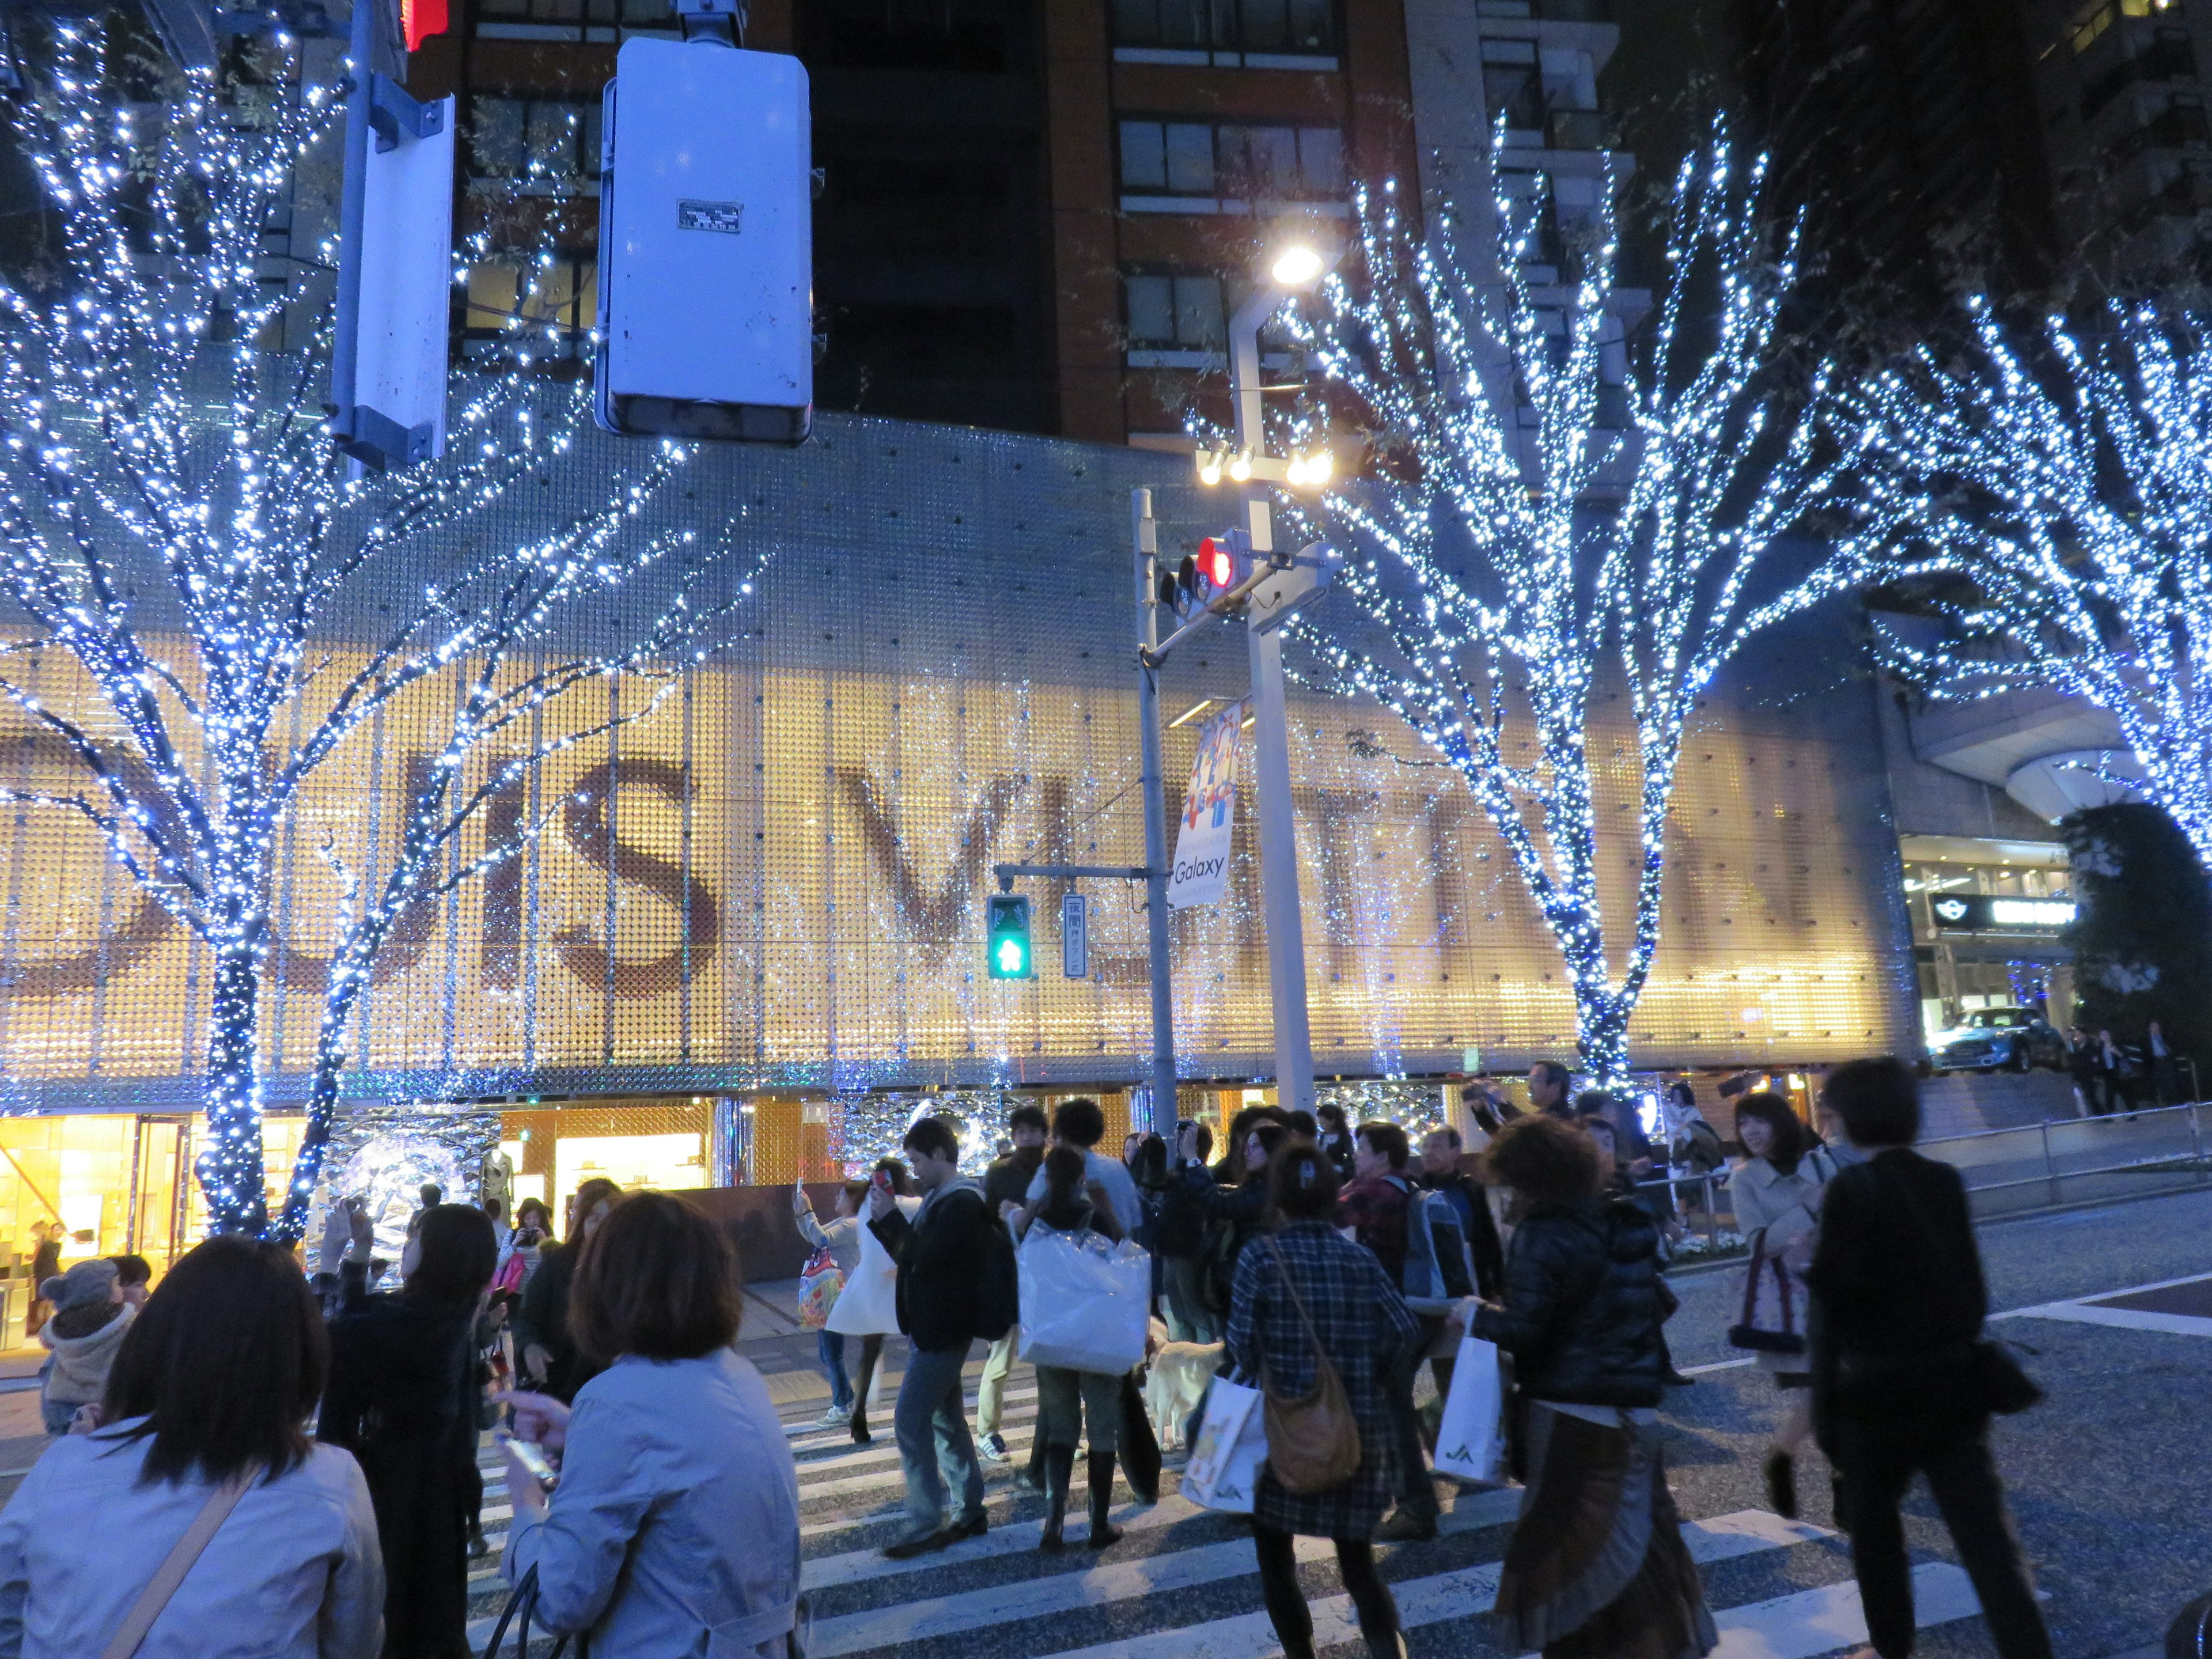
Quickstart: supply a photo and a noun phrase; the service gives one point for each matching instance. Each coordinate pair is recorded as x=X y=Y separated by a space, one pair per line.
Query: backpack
x=1439 y=1263
x=998 y=1287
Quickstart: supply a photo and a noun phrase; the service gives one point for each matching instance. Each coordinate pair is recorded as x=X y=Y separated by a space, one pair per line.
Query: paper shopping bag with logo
x=1231 y=1445
x=1471 y=1438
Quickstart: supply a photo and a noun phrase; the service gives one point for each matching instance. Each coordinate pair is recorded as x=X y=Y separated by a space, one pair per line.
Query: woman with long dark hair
x=1068 y=1400
x=403 y=1397
x=1306 y=1298
x=207 y=1404
x=1597 y=1568
x=548 y=1354
x=675 y=1527
x=1777 y=1192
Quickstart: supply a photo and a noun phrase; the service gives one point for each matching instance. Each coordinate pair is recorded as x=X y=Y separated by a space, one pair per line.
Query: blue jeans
x=833 y=1367
x=931 y=1428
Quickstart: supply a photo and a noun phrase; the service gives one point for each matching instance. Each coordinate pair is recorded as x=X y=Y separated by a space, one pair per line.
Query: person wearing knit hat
x=85 y=1332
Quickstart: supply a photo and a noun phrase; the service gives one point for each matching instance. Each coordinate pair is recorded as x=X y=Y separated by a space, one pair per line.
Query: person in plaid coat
x=1364 y=1326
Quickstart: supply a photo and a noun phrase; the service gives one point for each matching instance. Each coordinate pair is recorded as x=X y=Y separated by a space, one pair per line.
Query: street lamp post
x=1295 y=269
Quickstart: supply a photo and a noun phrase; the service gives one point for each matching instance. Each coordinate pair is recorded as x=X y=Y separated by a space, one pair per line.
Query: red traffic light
x=1217 y=564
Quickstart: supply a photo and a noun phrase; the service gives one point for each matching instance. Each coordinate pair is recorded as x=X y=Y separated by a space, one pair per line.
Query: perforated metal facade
x=777 y=879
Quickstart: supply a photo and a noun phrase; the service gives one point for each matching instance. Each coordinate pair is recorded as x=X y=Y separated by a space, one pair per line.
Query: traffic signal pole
x=1145 y=541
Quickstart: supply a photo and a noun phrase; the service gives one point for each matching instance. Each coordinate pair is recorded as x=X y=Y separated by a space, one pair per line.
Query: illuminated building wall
x=775 y=882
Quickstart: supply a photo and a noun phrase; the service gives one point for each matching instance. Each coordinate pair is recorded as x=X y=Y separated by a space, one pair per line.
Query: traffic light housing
x=1006 y=952
x=1215 y=568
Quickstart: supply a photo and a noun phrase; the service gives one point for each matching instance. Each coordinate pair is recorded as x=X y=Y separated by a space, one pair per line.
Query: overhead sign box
x=395 y=292
x=706 y=245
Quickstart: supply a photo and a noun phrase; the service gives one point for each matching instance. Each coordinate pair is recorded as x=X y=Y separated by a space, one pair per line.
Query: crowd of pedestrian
x=294 y=1457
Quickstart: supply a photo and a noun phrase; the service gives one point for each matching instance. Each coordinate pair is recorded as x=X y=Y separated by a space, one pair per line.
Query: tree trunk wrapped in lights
x=174 y=518
x=2057 y=519
x=1549 y=503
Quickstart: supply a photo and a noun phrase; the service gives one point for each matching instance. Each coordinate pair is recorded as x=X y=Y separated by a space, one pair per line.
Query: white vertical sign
x=1075 y=937
x=1200 y=873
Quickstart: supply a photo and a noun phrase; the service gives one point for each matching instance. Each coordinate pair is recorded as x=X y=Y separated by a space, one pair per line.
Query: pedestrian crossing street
x=1182 y=1585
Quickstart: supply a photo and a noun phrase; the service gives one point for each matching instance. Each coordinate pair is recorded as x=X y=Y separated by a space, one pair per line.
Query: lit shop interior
x=1986 y=918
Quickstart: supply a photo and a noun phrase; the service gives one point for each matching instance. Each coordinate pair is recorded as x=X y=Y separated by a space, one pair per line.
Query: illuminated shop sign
x=1991 y=913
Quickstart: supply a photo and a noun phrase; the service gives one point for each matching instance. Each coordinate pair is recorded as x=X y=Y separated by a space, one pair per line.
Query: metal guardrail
x=2033 y=1167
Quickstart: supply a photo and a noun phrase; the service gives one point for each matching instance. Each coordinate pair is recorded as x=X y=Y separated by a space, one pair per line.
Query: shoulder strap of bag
x=178 y=1562
x=1297 y=1300
x=1750 y=1279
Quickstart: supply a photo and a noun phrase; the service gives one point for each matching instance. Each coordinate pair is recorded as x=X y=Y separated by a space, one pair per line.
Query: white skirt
x=868 y=1305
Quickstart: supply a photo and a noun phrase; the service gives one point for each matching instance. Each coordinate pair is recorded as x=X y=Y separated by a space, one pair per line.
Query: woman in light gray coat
x=1778 y=1191
x=207 y=1403
x=674 y=1530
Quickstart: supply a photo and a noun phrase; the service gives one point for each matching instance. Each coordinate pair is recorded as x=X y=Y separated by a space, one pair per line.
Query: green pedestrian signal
x=1006 y=952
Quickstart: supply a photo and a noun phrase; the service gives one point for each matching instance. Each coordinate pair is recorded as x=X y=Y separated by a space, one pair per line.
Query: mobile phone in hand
x=881 y=1181
x=531 y=1456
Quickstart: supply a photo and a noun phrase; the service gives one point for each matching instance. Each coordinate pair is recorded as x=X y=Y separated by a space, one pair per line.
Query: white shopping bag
x=1224 y=1468
x=1086 y=1300
x=1471 y=1438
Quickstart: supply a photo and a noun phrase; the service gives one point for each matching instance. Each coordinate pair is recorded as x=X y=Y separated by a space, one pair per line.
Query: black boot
x=1059 y=1476
x=1103 y=1531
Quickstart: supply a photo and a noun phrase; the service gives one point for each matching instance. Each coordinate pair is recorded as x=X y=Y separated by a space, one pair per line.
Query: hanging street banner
x=1200 y=873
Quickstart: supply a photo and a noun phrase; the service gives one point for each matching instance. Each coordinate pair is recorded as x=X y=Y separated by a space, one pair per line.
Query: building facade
x=753 y=936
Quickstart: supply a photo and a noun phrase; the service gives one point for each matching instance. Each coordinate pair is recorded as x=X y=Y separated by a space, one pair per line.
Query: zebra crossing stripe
x=1823 y=1620
x=859 y=1566
x=1455 y=1595
x=1119 y=1580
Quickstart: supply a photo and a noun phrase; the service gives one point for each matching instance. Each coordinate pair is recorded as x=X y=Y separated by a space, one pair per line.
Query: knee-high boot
x=1103 y=1531
x=1059 y=1476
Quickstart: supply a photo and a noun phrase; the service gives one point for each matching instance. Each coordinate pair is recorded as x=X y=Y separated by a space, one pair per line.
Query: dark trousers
x=1875 y=1464
x=1183 y=1301
x=1417 y=1496
x=1286 y=1603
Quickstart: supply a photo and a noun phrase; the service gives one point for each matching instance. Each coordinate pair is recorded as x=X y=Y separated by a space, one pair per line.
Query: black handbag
x=2000 y=1384
x=521 y=1604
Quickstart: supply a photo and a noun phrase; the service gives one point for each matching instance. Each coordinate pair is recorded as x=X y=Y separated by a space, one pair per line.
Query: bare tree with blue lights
x=246 y=607
x=1551 y=508
x=2056 y=519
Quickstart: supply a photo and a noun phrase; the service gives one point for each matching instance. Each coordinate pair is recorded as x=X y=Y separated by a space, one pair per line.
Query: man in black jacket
x=1006 y=1181
x=1899 y=1301
x=940 y=1256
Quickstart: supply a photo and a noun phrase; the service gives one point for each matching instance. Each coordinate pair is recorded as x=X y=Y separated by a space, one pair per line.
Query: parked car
x=1992 y=1039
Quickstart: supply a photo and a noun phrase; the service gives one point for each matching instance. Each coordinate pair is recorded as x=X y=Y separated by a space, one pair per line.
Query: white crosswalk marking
x=1179 y=1568
x=1422 y=1600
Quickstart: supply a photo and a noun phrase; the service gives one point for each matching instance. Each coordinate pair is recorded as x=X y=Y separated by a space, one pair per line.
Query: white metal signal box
x=706 y=313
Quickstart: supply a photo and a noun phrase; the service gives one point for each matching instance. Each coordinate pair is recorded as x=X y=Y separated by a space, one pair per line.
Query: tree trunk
x=230 y=1170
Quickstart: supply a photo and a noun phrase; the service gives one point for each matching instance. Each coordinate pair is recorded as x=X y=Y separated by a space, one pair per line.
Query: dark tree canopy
x=2142 y=936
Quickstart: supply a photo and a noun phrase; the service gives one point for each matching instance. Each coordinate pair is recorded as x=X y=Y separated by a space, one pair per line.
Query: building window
x=1191 y=159
x=1266 y=28
x=1173 y=320
x=548 y=305
x=2093 y=19
x=544 y=146
x=601 y=20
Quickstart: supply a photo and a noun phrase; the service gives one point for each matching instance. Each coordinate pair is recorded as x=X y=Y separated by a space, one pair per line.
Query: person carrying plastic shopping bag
x=1068 y=1400
x=1314 y=1317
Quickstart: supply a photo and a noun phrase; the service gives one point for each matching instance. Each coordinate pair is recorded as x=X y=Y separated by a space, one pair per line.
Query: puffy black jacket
x=1582 y=1309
